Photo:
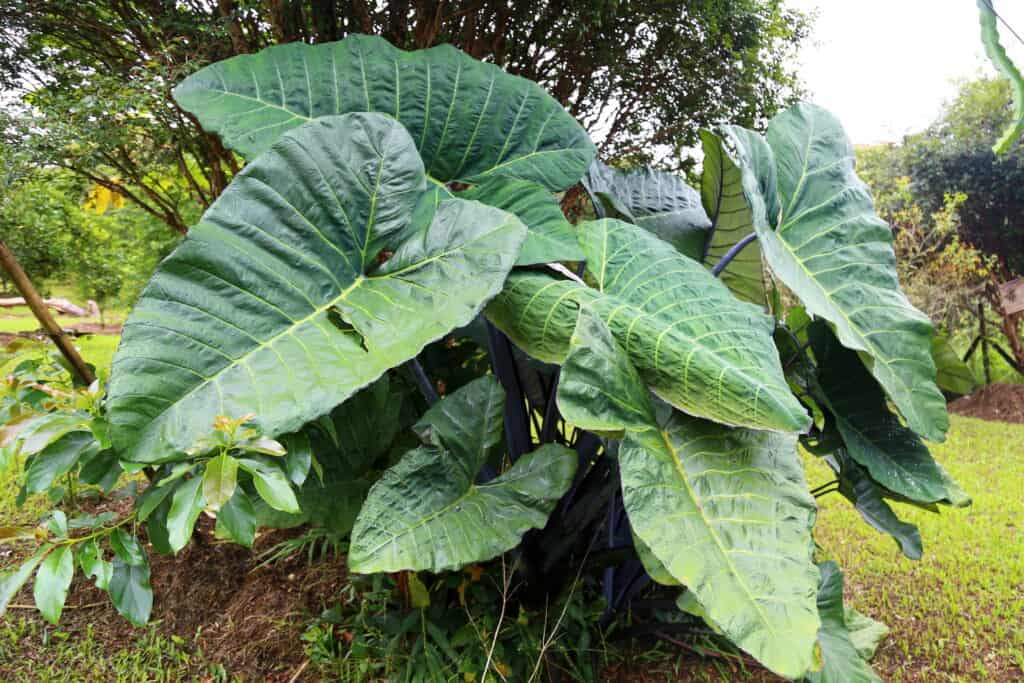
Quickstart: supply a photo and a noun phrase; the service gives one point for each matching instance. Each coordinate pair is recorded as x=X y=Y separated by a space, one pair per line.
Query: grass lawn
x=95 y=348
x=958 y=613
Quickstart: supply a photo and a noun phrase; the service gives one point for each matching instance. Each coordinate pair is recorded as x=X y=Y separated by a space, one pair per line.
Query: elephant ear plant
x=648 y=388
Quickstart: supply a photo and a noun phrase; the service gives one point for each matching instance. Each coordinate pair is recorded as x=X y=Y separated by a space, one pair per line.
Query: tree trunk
x=35 y=302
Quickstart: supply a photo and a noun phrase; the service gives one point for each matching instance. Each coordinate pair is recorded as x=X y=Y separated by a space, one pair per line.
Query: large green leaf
x=732 y=218
x=470 y=120
x=692 y=341
x=426 y=512
x=836 y=254
x=869 y=499
x=843 y=662
x=893 y=454
x=725 y=512
x=654 y=200
x=550 y=237
x=275 y=305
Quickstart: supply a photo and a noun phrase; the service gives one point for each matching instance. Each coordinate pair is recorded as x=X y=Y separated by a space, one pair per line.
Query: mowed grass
x=957 y=614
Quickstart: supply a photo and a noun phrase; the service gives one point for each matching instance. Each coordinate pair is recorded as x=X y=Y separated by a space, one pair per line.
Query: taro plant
x=652 y=372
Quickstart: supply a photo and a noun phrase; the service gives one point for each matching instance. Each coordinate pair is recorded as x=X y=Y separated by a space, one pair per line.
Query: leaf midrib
x=684 y=476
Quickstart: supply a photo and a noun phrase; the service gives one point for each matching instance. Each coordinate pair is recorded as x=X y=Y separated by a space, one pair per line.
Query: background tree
x=955 y=155
x=642 y=76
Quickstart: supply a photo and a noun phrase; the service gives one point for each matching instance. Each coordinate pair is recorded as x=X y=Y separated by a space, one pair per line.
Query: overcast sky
x=884 y=67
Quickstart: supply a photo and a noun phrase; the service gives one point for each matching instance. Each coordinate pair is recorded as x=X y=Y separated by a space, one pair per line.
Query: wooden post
x=983 y=333
x=38 y=308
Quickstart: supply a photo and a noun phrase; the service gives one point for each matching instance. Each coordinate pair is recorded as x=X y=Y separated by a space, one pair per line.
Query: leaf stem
x=732 y=253
x=423 y=382
x=824 y=486
x=96 y=534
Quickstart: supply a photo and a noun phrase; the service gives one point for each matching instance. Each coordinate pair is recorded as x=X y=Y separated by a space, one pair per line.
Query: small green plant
x=456 y=626
x=649 y=387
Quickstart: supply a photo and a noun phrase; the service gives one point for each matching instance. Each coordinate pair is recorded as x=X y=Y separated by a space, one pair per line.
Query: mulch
x=996 y=402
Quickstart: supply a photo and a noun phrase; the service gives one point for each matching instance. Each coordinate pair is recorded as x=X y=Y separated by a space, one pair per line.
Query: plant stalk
x=423 y=382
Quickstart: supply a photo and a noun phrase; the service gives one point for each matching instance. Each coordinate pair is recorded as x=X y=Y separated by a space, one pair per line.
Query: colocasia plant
x=652 y=372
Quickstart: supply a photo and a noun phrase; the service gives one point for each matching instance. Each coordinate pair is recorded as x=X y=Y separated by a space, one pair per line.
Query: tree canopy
x=641 y=76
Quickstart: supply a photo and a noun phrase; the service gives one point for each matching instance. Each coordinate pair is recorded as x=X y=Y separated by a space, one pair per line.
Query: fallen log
x=60 y=305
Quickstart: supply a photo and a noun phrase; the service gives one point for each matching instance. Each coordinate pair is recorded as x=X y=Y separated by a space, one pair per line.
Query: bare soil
x=996 y=402
x=247 y=618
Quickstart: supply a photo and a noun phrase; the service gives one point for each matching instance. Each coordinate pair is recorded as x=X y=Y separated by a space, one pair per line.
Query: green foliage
x=105 y=109
x=671 y=315
x=654 y=200
x=962 y=608
x=954 y=155
x=514 y=130
x=260 y=377
x=828 y=246
x=58 y=238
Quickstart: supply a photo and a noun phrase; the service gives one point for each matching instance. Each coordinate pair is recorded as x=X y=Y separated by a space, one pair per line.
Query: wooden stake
x=38 y=308
x=983 y=333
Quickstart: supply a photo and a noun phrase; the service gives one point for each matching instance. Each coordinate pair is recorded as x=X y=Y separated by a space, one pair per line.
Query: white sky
x=885 y=67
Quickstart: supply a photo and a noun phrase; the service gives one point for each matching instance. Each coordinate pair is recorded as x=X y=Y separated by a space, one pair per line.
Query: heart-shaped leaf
x=275 y=303
x=426 y=512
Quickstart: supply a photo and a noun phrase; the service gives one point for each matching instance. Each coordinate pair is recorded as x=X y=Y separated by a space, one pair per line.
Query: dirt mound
x=996 y=402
